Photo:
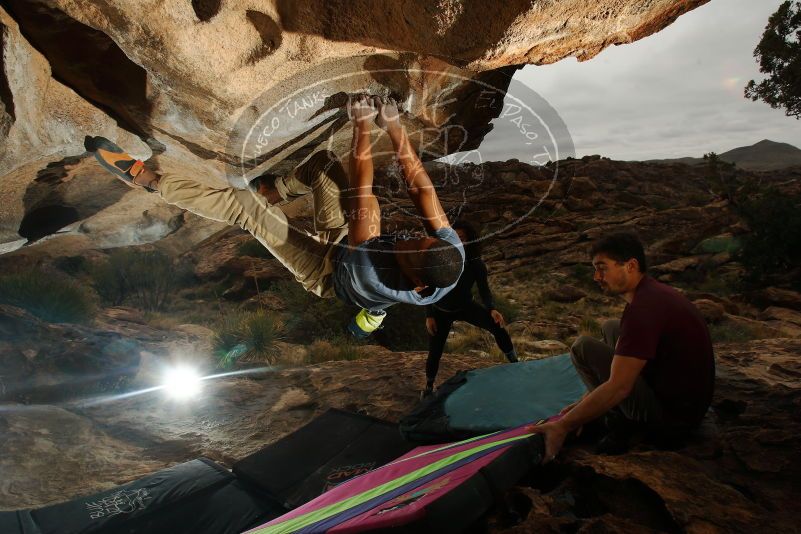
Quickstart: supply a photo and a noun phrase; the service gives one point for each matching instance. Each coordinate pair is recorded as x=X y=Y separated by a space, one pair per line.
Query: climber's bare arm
x=364 y=216
x=418 y=183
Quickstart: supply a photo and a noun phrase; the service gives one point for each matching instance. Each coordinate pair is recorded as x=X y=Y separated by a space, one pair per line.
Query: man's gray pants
x=593 y=361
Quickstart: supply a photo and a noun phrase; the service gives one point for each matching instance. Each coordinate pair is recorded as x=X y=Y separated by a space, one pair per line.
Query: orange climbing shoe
x=116 y=160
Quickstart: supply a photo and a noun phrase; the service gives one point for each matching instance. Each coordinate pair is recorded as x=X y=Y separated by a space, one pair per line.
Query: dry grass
x=589 y=327
x=727 y=331
x=161 y=320
x=472 y=338
x=336 y=350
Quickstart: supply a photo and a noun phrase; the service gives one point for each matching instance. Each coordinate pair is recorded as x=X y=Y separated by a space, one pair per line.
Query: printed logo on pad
x=412 y=497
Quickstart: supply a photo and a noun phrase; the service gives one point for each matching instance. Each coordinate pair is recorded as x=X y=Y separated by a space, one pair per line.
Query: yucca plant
x=247 y=336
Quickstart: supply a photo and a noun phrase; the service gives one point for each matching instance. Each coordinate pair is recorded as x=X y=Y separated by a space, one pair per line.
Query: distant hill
x=766 y=155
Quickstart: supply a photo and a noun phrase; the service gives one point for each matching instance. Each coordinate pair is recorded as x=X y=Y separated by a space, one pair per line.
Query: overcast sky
x=676 y=93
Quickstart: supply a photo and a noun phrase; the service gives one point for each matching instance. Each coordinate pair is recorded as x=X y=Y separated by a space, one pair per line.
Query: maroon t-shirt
x=660 y=325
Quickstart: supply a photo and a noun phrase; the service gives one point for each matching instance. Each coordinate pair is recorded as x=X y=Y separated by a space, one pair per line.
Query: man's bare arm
x=364 y=215
x=418 y=183
x=624 y=373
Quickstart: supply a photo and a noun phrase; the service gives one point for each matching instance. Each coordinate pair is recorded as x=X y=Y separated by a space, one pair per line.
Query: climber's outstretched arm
x=418 y=183
x=364 y=215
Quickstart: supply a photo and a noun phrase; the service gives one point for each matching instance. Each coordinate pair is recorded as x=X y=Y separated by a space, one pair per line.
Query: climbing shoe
x=619 y=436
x=613 y=444
x=365 y=323
x=116 y=160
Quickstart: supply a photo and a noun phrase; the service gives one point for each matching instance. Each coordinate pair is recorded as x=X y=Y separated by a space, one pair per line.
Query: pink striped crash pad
x=407 y=490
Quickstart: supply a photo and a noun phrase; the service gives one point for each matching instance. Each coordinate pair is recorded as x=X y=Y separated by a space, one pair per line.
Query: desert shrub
x=71 y=265
x=336 y=349
x=582 y=272
x=146 y=277
x=109 y=283
x=309 y=317
x=404 y=328
x=150 y=278
x=721 y=176
x=254 y=249
x=588 y=326
x=246 y=336
x=730 y=332
x=582 y=275
x=184 y=274
x=773 y=248
x=722 y=282
x=524 y=273
x=718 y=244
x=49 y=296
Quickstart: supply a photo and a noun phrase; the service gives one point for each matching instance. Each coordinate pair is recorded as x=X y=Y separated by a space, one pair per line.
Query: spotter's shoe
x=427 y=393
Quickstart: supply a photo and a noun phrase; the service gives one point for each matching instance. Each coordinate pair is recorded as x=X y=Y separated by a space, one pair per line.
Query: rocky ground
x=63 y=438
x=738 y=476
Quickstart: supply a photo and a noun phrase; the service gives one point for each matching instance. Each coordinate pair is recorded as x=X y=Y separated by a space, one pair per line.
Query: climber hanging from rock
x=348 y=257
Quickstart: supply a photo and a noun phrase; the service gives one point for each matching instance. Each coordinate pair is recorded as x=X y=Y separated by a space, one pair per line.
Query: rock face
x=87 y=362
x=184 y=83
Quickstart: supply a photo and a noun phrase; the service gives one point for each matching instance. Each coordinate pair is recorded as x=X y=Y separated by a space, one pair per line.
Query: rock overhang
x=176 y=81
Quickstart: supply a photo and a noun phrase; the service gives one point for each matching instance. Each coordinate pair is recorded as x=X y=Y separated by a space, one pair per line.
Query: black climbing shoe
x=427 y=393
x=613 y=444
x=619 y=434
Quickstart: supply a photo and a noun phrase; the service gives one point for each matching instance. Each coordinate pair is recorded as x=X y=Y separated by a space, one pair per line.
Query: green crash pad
x=509 y=395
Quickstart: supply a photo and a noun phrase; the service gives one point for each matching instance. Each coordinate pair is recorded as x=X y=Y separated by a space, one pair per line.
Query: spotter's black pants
x=476 y=315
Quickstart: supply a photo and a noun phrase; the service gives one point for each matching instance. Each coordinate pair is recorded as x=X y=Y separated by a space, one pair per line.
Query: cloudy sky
x=676 y=93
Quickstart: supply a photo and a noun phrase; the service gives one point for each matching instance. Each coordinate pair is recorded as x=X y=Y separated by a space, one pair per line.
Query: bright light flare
x=181 y=383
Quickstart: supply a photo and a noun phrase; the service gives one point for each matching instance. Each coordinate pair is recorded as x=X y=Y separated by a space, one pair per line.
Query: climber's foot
x=125 y=167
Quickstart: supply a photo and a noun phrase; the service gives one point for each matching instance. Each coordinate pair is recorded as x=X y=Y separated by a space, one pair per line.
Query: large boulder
x=774 y=296
x=185 y=84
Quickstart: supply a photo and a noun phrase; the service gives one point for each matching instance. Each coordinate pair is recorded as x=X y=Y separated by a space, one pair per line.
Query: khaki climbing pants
x=307 y=255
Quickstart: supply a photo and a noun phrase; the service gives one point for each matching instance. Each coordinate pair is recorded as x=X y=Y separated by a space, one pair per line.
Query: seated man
x=372 y=270
x=655 y=368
